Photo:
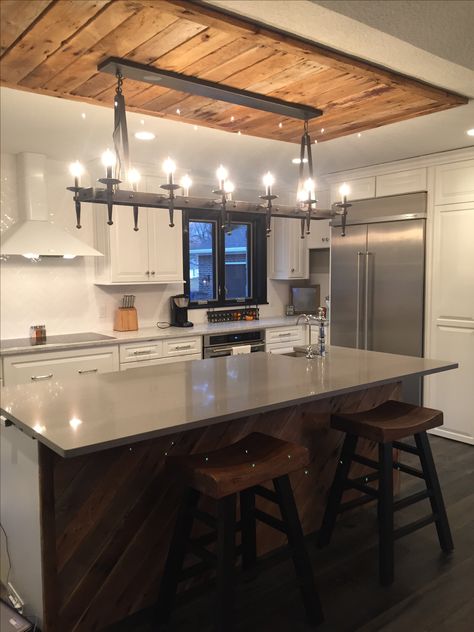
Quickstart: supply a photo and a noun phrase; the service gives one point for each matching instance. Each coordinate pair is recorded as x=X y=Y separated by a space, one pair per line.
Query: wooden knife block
x=126 y=319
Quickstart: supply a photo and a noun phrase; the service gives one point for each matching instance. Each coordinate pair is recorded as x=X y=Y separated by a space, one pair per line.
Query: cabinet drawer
x=37 y=367
x=172 y=360
x=283 y=335
x=134 y=352
x=182 y=346
x=455 y=183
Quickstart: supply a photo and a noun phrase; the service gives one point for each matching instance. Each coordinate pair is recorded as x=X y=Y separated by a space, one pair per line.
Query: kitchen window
x=224 y=268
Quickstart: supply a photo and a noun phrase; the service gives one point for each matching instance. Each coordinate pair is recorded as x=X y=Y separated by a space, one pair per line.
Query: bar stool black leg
x=432 y=484
x=176 y=555
x=225 y=563
x=385 y=513
x=337 y=490
x=248 y=530
x=301 y=561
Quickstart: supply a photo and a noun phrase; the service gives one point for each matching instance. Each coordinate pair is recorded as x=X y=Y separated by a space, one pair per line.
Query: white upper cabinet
x=455 y=183
x=153 y=254
x=408 y=181
x=361 y=188
x=287 y=252
x=320 y=235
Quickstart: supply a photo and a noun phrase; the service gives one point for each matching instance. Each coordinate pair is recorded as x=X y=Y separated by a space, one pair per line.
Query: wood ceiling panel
x=54 y=47
x=16 y=18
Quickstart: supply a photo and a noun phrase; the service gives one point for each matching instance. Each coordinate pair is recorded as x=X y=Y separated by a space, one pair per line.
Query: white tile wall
x=61 y=294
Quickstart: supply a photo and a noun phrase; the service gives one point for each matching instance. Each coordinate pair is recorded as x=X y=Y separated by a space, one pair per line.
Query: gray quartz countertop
x=21 y=345
x=100 y=411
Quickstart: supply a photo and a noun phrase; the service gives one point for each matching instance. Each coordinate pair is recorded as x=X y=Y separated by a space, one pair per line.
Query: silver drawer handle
x=178 y=348
x=147 y=352
x=82 y=371
x=36 y=378
x=283 y=335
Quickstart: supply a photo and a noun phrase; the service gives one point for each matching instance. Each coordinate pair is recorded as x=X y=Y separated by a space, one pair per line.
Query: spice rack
x=229 y=315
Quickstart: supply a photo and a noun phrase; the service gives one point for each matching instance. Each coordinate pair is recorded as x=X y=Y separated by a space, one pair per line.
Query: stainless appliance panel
x=385 y=209
x=347 y=286
x=395 y=273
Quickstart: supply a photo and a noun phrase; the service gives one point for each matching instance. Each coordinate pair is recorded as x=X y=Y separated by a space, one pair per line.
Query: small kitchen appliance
x=179 y=311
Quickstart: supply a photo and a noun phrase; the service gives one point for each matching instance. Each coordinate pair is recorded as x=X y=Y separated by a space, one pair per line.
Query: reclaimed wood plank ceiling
x=54 y=46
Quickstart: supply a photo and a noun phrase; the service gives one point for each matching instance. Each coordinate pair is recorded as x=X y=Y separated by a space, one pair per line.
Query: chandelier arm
x=135 y=218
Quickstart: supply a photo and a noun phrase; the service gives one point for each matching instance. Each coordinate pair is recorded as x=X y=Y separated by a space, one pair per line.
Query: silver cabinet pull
x=146 y=352
x=359 y=254
x=82 y=371
x=179 y=348
x=37 y=378
x=152 y=273
x=147 y=272
x=284 y=335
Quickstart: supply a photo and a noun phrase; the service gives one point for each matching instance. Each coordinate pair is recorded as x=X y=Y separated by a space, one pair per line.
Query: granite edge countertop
x=153 y=333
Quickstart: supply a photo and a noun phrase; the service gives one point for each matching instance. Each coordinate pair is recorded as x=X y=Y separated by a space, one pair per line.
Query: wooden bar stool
x=387 y=425
x=240 y=468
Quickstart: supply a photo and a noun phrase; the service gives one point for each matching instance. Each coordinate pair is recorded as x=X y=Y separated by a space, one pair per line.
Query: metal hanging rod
x=209 y=89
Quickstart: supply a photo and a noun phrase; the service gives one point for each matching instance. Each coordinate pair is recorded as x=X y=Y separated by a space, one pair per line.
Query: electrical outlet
x=14 y=597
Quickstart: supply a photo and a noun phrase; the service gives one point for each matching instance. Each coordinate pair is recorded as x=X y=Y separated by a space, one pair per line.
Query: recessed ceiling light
x=280 y=125
x=144 y=135
x=178 y=111
x=297 y=161
x=359 y=135
x=83 y=115
x=470 y=132
x=239 y=132
x=195 y=127
x=232 y=119
x=142 y=121
x=322 y=130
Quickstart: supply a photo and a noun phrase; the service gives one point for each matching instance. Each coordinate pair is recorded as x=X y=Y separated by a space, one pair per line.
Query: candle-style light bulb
x=134 y=178
x=108 y=160
x=268 y=182
x=344 y=191
x=301 y=195
x=76 y=170
x=169 y=167
x=185 y=184
x=222 y=175
x=229 y=188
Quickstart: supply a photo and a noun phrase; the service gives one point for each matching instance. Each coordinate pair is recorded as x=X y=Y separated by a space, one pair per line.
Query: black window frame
x=258 y=258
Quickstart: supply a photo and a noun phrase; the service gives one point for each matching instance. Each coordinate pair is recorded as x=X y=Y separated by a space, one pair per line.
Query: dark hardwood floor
x=431 y=592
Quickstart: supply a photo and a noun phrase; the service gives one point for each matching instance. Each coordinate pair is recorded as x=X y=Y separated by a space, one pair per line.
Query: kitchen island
x=91 y=502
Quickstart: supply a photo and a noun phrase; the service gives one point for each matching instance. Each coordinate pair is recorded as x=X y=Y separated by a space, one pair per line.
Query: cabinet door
x=361 y=188
x=407 y=181
x=320 y=234
x=454 y=183
x=452 y=330
x=299 y=265
x=278 y=251
x=165 y=246
x=128 y=248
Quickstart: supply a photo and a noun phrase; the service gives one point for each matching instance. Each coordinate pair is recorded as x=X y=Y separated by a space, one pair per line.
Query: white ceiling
x=55 y=127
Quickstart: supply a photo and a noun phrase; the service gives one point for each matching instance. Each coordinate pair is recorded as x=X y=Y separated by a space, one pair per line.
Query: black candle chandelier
x=117 y=163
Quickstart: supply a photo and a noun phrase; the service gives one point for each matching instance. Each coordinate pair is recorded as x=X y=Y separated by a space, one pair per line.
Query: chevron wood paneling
x=54 y=47
x=107 y=517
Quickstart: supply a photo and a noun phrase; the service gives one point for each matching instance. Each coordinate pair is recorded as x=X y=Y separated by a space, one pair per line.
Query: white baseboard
x=450 y=434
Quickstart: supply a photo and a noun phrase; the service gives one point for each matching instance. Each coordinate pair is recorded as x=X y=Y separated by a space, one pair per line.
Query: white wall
x=61 y=294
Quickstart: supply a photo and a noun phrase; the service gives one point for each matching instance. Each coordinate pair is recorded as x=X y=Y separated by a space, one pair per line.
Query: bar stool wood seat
x=238 y=470
x=387 y=424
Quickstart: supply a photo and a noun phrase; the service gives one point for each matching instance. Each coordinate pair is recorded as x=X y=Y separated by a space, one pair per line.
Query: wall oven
x=218 y=345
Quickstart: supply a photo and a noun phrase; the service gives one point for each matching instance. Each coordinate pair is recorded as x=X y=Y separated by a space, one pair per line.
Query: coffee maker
x=179 y=311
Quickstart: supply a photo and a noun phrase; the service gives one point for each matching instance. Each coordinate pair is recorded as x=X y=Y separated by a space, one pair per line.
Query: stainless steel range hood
x=34 y=236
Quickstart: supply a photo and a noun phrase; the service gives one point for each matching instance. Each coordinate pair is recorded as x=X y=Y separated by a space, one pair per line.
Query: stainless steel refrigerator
x=378 y=279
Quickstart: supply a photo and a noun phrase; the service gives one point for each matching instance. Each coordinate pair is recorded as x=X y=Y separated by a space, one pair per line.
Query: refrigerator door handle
x=359 y=255
x=366 y=310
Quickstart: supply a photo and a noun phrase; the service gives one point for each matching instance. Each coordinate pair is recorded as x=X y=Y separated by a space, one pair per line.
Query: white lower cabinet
x=166 y=351
x=53 y=365
x=281 y=340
